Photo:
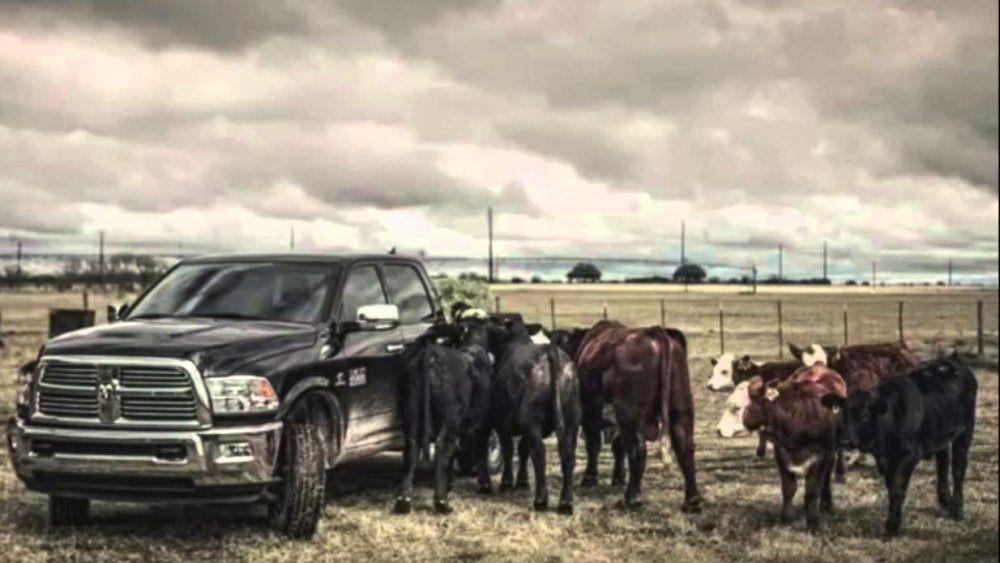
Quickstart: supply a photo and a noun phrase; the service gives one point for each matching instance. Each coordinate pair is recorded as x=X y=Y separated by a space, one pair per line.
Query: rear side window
x=361 y=288
x=407 y=291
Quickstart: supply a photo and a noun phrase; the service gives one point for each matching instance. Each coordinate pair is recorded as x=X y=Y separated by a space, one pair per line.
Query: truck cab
x=230 y=379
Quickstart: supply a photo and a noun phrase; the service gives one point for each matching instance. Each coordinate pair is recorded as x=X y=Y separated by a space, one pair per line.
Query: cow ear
x=832 y=401
x=746 y=358
x=795 y=350
x=832 y=353
x=879 y=407
x=714 y=361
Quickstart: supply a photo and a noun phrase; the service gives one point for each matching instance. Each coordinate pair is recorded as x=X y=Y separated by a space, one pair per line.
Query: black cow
x=446 y=397
x=535 y=394
x=927 y=411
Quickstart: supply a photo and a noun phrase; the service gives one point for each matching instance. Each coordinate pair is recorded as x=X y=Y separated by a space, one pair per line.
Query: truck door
x=373 y=360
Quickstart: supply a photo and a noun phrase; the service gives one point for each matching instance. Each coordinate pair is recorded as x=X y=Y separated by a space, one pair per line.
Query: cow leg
x=523 y=453
x=789 y=485
x=444 y=451
x=943 y=459
x=816 y=481
x=618 y=473
x=682 y=441
x=826 y=501
x=959 y=463
x=537 y=446
x=411 y=453
x=841 y=471
x=761 y=445
x=485 y=480
x=635 y=448
x=592 y=439
x=898 y=481
x=567 y=459
x=507 y=450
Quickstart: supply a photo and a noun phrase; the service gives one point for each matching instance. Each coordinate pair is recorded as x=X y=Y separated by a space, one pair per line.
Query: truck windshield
x=255 y=290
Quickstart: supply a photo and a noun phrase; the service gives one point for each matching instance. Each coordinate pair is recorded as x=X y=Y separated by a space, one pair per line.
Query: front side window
x=361 y=288
x=408 y=292
x=253 y=290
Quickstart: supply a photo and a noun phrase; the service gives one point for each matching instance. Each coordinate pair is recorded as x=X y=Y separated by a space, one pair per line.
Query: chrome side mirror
x=378 y=317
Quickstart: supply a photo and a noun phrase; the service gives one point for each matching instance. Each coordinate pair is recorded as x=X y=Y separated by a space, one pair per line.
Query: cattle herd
x=493 y=373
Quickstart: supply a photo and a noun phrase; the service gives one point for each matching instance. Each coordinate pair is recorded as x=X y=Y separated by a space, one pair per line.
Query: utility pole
x=683 y=241
x=291 y=237
x=18 y=275
x=781 y=262
x=825 y=277
x=489 y=226
x=100 y=259
x=949 y=272
x=874 y=274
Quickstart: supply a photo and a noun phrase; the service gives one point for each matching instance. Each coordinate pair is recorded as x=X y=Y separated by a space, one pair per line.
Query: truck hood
x=217 y=347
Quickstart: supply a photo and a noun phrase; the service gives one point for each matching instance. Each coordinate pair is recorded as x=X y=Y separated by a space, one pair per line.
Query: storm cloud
x=590 y=126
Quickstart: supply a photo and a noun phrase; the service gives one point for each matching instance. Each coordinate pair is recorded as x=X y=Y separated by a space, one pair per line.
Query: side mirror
x=378 y=317
x=117 y=314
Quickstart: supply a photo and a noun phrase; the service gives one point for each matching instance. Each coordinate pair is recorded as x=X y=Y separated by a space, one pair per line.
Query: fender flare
x=319 y=386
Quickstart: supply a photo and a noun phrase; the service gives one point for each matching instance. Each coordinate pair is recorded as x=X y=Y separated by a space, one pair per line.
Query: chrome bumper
x=144 y=465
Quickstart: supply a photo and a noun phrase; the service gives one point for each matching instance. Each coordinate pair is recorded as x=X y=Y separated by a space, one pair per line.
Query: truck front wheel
x=299 y=501
x=66 y=511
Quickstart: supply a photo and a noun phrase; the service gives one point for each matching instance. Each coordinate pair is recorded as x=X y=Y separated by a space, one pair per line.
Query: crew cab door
x=372 y=366
x=411 y=292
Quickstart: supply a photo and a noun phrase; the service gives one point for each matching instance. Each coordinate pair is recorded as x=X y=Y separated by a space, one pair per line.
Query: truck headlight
x=24 y=377
x=241 y=394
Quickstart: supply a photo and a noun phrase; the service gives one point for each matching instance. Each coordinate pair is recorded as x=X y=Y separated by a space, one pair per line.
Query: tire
x=469 y=465
x=66 y=511
x=301 y=493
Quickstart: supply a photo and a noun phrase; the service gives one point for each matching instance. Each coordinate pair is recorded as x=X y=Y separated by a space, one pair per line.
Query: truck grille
x=111 y=393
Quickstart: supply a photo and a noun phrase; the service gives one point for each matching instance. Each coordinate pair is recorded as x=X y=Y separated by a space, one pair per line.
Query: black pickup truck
x=231 y=379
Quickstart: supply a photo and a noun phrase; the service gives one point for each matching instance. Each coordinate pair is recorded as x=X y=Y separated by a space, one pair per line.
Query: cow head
x=857 y=418
x=731 y=423
x=722 y=373
x=814 y=354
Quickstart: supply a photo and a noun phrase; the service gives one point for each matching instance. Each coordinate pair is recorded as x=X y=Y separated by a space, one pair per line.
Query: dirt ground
x=739 y=523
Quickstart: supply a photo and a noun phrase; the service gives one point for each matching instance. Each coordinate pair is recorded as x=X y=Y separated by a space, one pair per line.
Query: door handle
x=393 y=348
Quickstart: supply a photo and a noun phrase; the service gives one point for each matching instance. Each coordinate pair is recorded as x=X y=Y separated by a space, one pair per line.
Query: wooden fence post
x=722 y=331
x=552 y=311
x=86 y=301
x=901 y=339
x=496 y=304
x=663 y=313
x=980 y=348
x=781 y=333
x=605 y=310
x=845 y=323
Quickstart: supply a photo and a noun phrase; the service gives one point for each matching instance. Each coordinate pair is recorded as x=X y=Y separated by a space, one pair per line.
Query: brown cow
x=803 y=432
x=743 y=369
x=643 y=374
x=863 y=366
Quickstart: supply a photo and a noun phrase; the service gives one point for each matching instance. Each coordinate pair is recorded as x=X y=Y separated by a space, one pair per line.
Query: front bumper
x=146 y=465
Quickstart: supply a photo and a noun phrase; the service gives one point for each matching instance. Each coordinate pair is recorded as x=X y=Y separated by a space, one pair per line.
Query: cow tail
x=555 y=373
x=666 y=379
x=430 y=364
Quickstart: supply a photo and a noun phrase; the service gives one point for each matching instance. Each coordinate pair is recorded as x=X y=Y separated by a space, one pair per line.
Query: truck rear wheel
x=66 y=511
x=468 y=464
x=301 y=493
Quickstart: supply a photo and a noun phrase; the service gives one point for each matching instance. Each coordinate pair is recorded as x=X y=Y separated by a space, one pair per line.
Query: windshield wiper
x=237 y=316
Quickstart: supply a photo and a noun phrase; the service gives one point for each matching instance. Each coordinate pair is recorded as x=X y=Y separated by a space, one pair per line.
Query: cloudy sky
x=592 y=127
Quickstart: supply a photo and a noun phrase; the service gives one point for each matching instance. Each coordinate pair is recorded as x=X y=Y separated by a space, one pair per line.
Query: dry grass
x=740 y=521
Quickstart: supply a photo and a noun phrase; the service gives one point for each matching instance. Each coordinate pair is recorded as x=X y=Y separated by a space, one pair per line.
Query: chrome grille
x=142 y=393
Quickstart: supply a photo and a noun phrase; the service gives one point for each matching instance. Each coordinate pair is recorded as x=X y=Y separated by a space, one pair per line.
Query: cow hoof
x=541 y=506
x=506 y=487
x=692 y=506
x=891 y=530
x=565 y=509
x=522 y=486
x=812 y=528
x=827 y=508
x=634 y=504
x=786 y=518
x=839 y=478
x=442 y=507
x=957 y=514
x=403 y=506
x=588 y=482
x=617 y=482
x=761 y=454
x=485 y=489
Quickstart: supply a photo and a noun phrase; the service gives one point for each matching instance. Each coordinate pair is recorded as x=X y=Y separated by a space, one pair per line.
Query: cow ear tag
x=771 y=394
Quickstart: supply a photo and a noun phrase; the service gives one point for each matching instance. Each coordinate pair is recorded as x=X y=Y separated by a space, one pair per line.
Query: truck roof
x=298 y=257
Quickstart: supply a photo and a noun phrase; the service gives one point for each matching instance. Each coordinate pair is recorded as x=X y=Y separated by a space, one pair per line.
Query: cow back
x=864 y=366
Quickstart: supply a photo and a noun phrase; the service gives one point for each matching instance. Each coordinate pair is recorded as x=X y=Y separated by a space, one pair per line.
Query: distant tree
x=851 y=282
x=584 y=271
x=714 y=279
x=516 y=279
x=536 y=279
x=690 y=273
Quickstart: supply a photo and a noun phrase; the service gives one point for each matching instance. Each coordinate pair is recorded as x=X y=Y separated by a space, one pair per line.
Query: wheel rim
x=494 y=456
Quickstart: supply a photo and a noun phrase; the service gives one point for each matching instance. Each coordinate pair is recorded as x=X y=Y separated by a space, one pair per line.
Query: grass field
x=740 y=520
